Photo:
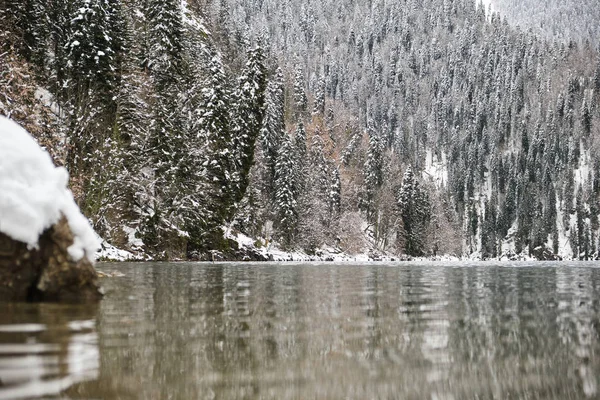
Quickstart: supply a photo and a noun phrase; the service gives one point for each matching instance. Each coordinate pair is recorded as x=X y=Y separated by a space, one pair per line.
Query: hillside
x=510 y=118
x=410 y=127
x=557 y=20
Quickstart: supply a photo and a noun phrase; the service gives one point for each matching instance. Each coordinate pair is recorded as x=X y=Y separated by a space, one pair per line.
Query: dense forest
x=564 y=20
x=409 y=127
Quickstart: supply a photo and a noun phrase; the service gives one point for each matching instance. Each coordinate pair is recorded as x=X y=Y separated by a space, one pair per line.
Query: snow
x=47 y=99
x=34 y=194
x=564 y=247
x=581 y=173
x=486 y=4
x=436 y=169
x=132 y=239
x=108 y=252
x=192 y=21
x=271 y=251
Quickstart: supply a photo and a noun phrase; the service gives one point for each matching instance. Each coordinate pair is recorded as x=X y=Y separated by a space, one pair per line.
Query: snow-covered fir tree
x=272 y=131
x=415 y=211
x=286 y=192
x=300 y=99
x=248 y=118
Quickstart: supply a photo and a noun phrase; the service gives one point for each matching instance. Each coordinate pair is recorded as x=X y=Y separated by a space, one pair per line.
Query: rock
x=46 y=245
x=543 y=253
x=48 y=272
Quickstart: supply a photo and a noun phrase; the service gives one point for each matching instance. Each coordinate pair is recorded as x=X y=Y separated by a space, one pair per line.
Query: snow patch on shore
x=108 y=252
x=271 y=251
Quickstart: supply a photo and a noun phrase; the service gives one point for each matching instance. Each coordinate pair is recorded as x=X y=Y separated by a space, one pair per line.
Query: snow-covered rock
x=108 y=252
x=46 y=245
x=34 y=194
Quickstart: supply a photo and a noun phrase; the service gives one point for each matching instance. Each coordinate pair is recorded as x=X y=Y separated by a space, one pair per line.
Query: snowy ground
x=273 y=252
x=108 y=252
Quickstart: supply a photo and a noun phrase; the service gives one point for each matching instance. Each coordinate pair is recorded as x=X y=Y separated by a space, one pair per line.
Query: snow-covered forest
x=410 y=127
x=565 y=20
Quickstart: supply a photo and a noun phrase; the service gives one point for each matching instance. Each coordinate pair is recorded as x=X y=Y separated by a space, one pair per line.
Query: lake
x=313 y=331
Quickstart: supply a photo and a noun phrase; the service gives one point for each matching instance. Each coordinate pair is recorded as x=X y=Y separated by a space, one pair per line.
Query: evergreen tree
x=165 y=219
x=248 y=118
x=373 y=172
x=580 y=225
x=415 y=211
x=164 y=61
x=286 y=192
x=215 y=132
x=273 y=126
x=488 y=232
x=91 y=83
x=92 y=46
x=300 y=99
x=301 y=156
x=215 y=152
x=166 y=38
x=335 y=194
x=597 y=77
x=319 y=103
x=317 y=178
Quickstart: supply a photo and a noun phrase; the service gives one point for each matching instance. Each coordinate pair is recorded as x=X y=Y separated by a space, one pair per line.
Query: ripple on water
x=325 y=331
x=45 y=349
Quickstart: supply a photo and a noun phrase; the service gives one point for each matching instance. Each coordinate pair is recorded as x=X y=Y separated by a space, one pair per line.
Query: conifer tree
x=166 y=38
x=212 y=153
x=319 y=168
x=415 y=211
x=91 y=82
x=373 y=172
x=300 y=99
x=319 y=103
x=488 y=234
x=273 y=125
x=248 y=118
x=335 y=194
x=215 y=133
x=301 y=156
x=167 y=135
x=286 y=192
x=597 y=77
x=92 y=47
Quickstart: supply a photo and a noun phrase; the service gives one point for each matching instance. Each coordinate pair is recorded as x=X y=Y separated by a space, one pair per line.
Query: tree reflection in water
x=46 y=348
x=292 y=331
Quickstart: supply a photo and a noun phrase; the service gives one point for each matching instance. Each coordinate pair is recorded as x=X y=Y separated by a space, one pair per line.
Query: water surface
x=313 y=331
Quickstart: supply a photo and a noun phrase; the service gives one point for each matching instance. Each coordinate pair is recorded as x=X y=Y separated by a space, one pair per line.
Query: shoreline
x=244 y=249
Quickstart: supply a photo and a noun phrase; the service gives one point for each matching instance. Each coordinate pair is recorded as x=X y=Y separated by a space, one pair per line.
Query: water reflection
x=576 y=319
x=45 y=349
x=292 y=331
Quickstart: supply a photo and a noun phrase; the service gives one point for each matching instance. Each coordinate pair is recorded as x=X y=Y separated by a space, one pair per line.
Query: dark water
x=293 y=331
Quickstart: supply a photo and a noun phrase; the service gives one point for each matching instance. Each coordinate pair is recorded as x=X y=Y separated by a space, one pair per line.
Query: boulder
x=48 y=272
x=544 y=253
x=46 y=245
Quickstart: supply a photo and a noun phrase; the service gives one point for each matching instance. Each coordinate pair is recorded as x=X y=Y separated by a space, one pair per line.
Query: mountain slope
x=514 y=117
x=412 y=127
x=559 y=20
